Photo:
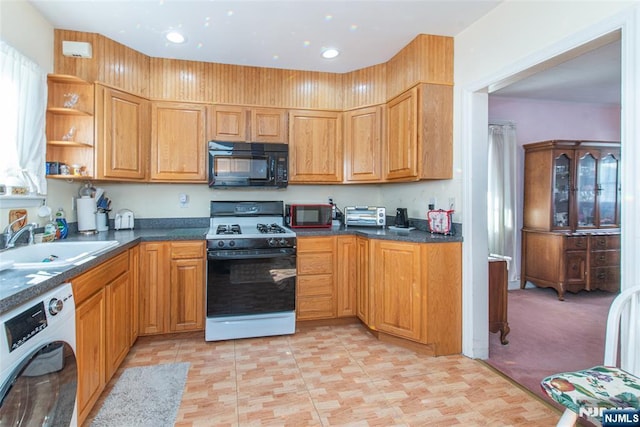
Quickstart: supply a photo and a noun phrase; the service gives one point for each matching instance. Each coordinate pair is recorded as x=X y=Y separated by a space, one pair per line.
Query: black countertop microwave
x=248 y=164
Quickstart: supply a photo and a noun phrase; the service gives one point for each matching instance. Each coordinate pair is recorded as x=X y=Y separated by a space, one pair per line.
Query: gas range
x=248 y=225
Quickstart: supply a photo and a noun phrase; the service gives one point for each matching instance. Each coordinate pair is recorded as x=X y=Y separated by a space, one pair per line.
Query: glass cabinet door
x=608 y=186
x=586 y=190
x=561 y=188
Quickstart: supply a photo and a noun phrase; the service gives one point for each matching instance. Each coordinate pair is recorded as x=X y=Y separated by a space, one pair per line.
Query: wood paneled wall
x=112 y=63
x=427 y=59
x=365 y=87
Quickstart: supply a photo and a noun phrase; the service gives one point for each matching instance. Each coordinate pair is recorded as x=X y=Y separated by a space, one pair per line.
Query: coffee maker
x=402 y=218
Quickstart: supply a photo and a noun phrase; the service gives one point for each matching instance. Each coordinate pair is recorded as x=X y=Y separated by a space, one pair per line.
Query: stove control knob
x=220 y=243
x=55 y=306
x=283 y=242
x=272 y=242
x=232 y=243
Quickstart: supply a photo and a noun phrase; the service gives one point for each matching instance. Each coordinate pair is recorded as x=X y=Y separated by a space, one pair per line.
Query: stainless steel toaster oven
x=365 y=216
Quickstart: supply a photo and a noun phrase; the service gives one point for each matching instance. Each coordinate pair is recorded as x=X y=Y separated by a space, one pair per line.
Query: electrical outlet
x=73 y=203
x=183 y=200
x=432 y=203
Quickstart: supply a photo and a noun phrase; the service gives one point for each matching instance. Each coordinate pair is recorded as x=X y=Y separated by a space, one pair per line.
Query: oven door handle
x=224 y=255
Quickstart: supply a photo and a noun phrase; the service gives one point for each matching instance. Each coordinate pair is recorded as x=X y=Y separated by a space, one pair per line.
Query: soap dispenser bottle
x=61 y=222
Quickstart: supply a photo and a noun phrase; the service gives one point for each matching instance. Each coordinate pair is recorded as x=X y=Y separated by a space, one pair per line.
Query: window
x=23 y=86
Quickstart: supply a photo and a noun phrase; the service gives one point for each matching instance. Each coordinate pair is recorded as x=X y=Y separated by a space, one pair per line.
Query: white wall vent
x=77 y=49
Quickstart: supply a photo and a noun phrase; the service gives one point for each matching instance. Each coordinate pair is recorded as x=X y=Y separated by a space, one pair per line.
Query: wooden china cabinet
x=571 y=223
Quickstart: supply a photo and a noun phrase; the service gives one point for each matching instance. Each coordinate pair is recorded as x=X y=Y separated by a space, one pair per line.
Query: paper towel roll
x=86 y=213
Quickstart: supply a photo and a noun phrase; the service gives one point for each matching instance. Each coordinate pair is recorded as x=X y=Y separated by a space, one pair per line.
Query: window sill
x=28 y=201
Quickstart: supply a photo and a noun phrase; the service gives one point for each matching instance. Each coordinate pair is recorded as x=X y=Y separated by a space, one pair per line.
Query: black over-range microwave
x=248 y=164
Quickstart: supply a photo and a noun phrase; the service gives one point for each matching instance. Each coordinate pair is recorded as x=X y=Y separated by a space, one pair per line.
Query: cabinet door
x=134 y=280
x=90 y=352
x=118 y=302
x=229 y=123
x=562 y=173
x=575 y=267
x=123 y=133
x=268 y=125
x=398 y=288
x=154 y=274
x=362 y=141
x=178 y=144
x=609 y=189
x=586 y=188
x=347 y=255
x=363 y=292
x=187 y=295
x=401 y=144
x=315 y=147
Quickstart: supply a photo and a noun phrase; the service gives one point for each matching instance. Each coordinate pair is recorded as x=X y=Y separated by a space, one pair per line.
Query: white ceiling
x=267 y=33
x=291 y=34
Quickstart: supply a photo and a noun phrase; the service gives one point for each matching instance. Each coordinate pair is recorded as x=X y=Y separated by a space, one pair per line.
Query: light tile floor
x=333 y=375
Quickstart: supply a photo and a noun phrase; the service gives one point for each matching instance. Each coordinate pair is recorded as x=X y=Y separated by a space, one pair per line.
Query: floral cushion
x=593 y=390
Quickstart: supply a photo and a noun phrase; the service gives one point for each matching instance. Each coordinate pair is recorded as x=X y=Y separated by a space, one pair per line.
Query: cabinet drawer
x=576 y=242
x=605 y=258
x=324 y=244
x=321 y=284
x=186 y=250
x=605 y=242
x=315 y=308
x=93 y=280
x=315 y=263
x=605 y=274
x=606 y=278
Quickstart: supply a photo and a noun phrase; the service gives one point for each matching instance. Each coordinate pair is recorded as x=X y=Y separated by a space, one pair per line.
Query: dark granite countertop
x=414 y=236
x=19 y=286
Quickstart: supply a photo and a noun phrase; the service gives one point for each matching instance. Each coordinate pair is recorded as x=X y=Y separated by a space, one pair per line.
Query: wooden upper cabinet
x=268 y=125
x=401 y=144
x=229 y=123
x=239 y=124
x=363 y=145
x=178 y=141
x=122 y=123
x=315 y=152
x=435 y=131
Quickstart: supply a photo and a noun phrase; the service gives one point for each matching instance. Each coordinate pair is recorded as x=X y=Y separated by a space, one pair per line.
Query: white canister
x=86 y=214
x=102 y=221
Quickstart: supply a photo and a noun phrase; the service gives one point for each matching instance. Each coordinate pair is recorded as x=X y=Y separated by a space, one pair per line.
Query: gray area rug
x=144 y=396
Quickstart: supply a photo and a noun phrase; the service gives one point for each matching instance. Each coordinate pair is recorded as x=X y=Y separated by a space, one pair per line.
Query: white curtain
x=501 y=196
x=23 y=89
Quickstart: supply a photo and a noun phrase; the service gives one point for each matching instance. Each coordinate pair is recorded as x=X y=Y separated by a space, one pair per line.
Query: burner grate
x=228 y=229
x=270 y=228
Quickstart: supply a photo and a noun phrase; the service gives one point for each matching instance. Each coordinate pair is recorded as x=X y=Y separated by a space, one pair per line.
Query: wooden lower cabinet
x=347 y=253
x=406 y=290
x=103 y=317
x=363 y=290
x=316 y=278
x=416 y=292
x=172 y=282
x=571 y=262
x=90 y=352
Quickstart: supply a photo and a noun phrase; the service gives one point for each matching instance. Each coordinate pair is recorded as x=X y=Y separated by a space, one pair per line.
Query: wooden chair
x=587 y=393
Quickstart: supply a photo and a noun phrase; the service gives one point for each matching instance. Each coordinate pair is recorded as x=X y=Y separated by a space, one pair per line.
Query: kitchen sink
x=54 y=254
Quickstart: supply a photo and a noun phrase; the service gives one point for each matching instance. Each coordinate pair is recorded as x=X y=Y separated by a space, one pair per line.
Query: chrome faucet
x=10 y=237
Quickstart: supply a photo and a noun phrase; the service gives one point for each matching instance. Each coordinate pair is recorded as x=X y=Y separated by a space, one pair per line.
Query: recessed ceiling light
x=330 y=53
x=175 y=37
